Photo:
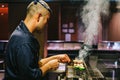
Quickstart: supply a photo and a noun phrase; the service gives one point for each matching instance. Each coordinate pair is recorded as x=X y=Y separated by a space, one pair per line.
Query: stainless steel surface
x=106 y=63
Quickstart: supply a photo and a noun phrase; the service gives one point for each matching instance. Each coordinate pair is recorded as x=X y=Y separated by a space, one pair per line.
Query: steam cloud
x=92 y=19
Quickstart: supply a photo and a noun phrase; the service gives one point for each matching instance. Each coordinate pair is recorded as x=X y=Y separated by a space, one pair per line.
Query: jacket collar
x=24 y=27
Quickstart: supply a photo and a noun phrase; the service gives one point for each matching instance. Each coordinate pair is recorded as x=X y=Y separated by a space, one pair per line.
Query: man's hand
x=63 y=58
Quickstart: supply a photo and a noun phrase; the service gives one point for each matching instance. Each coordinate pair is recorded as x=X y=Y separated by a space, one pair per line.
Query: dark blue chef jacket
x=21 y=61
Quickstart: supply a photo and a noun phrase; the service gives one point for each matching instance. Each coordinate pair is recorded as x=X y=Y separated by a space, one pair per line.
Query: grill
x=104 y=64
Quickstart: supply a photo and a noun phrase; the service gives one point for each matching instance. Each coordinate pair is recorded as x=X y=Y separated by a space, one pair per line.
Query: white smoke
x=91 y=17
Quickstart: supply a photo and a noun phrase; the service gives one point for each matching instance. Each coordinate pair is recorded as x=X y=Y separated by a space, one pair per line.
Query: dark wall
x=9 y=1
x=53 y=24
x=10 y=19
x=4 y=27
x=4 y=22
x=17 y=13
x=45 y=0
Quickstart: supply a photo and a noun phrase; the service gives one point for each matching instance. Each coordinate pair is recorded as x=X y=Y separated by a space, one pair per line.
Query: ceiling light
x=3 y=5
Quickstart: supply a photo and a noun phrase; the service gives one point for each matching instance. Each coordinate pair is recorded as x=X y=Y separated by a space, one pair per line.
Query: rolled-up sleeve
x=27 y=63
